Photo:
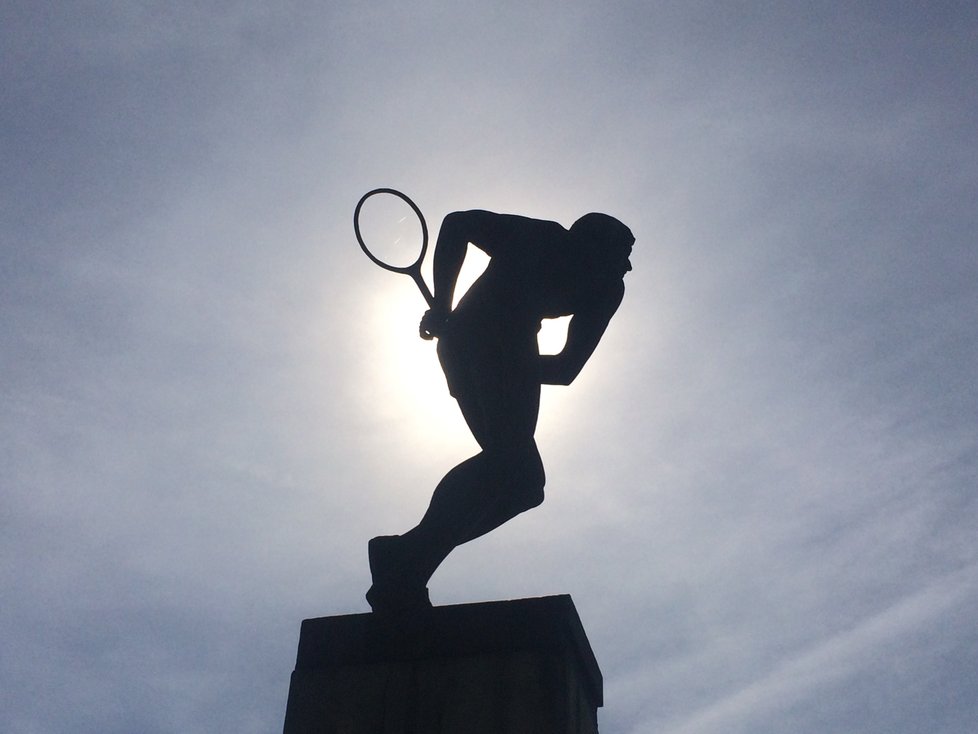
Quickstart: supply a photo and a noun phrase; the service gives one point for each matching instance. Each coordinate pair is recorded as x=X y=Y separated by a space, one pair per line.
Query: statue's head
x=608 y=240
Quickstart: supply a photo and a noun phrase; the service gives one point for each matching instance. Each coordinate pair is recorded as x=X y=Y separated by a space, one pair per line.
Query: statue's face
x=627 y=264
x=608 y=248
x=619 y=254
x=609 y=261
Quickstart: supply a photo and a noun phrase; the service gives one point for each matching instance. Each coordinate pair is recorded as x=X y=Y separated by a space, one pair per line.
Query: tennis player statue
x=487 y=347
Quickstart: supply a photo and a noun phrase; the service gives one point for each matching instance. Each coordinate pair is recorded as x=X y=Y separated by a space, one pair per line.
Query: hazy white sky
x=761 y=491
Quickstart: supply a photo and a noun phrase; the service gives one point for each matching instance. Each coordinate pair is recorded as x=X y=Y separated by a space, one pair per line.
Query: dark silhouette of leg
x=500 y=403
x=475 y=497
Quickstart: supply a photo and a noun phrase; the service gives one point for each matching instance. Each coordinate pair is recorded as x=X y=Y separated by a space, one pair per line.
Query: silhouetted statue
x=488 y=350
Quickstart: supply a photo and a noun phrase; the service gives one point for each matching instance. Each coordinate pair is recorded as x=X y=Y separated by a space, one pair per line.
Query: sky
x=761 y=489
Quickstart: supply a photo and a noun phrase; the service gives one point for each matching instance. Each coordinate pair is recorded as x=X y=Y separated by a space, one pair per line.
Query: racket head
x=412 y=268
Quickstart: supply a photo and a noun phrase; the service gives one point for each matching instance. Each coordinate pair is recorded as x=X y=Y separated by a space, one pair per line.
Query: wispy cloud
x=807 y=673
x=760 y=491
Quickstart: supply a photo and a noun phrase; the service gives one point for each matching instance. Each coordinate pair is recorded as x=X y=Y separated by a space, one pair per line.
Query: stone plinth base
x=508 y=667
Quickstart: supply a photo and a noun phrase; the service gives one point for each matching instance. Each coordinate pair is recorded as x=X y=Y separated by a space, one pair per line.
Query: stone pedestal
x=507 y=667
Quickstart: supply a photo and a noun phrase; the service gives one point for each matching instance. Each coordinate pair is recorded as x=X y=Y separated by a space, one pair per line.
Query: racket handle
x=423 y=287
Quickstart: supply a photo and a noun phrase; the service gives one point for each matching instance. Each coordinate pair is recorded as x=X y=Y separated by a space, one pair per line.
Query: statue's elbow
x=462 y=221
x=452 y=222
x=570 y=373
x=558 y=370
x=560 y=378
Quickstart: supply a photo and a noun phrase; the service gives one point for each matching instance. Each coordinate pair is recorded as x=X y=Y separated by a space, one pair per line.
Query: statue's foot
x=397 y=586
x=386 y=564
x=399 y=601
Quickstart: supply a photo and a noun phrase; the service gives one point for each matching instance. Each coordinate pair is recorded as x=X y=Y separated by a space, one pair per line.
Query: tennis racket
x=390 y=223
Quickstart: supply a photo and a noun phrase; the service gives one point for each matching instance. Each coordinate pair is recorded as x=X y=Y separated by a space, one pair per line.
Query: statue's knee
x=522 y=473
x=532 y=490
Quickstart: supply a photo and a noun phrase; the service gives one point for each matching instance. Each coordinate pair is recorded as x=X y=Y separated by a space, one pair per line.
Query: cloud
x=760 y=490
x=807 y=674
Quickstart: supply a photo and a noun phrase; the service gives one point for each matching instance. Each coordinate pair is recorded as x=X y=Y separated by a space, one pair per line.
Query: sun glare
x=475 y=262
x=552 y=335
x=412 y=394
